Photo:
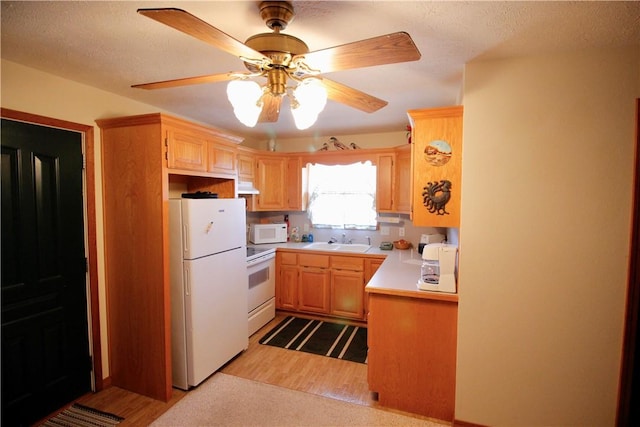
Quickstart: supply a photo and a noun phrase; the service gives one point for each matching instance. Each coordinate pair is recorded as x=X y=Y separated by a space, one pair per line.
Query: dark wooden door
x=45 y=346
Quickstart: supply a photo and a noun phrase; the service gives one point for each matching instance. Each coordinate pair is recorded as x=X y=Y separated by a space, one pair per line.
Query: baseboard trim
x=460 y=423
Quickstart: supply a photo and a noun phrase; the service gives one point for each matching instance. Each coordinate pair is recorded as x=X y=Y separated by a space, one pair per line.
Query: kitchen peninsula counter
x=412 y=339
x=399 y=274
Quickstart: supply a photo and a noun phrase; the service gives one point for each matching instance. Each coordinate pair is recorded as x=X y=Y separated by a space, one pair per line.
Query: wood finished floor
x=337 y=379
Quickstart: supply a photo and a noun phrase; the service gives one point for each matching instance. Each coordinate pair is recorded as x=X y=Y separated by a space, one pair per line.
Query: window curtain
x=342 y=196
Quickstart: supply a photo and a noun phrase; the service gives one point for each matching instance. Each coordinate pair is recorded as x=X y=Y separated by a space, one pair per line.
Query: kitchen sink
x=338 y=247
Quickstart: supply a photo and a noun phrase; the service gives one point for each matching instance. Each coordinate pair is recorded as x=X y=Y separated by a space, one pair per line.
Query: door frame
x=90 y=227
x=628 y=385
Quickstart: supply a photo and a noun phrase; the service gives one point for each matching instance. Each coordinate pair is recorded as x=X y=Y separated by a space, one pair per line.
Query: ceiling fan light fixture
x=245 y=97
x=307 y=101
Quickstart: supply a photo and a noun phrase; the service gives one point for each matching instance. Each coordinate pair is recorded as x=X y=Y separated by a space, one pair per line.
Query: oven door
x=262 y=283
x=262 y=291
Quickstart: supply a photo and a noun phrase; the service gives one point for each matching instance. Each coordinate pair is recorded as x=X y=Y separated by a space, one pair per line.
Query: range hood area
x=247 y=187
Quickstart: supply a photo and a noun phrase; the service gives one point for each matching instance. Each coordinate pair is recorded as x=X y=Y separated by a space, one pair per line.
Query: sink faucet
x=344 y=238
x=369 y=240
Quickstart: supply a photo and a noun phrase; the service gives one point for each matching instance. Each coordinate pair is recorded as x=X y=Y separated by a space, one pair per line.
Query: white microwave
x=267 y=233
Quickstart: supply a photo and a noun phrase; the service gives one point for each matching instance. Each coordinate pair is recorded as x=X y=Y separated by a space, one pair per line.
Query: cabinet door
x=271 y=179
x=347 y=293
x=293 y=184
x=402 y=185
x=186 y=150
x=412 y=354
x=437 y=166
x=287 y=291
x=221 y=158
x=313 y=290
x=384 y=184
x=246 y=166
x=371 y=265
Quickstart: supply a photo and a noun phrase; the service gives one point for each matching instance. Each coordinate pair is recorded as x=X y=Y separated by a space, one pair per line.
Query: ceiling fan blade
x=270 y=109
x=352 y=97
x=387 y=49
x=195 y=27
x=210 y=78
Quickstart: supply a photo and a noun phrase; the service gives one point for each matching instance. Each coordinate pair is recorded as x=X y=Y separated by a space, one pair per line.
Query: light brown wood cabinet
x=221 y=158
x=141 y=156
x=271 y=180
x=293 y=184
x=402 y=184
x=347 y=287
x=331 y=285
x=384 y=183
x=412 y=354
x=186 y=149
x=314 y=283
x=286 y=280
x=195 y=148
x=246 y=166
x=393 y=193
x=437 y=166
x=279 y=180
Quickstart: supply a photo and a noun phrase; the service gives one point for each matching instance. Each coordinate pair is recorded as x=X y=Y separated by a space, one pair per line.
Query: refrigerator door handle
x=185 y=243
x=187 y=282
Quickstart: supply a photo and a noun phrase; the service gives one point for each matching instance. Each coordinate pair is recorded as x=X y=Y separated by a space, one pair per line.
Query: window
x=342 y=196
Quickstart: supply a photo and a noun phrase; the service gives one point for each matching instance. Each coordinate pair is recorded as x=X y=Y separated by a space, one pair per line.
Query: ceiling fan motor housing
x=279 y=48
x=276 y=14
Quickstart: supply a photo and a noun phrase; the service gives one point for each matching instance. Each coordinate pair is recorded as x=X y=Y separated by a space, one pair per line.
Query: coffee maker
x=438 y=270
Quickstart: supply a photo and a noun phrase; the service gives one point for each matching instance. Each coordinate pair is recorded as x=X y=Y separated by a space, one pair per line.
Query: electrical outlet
x=305 y=228
x=384 y=231
x=401 y=231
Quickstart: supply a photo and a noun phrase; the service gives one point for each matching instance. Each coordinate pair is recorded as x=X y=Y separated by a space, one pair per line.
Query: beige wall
x=544 y=237
x=31 y=91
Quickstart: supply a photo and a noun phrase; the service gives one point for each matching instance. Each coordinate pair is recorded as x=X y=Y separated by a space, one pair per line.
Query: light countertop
x=398 y=274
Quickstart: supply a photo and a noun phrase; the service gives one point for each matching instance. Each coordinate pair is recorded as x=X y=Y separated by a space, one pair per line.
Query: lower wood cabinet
x=331 y=285
x=313 y=289
x=412 y=353
x=347 y=298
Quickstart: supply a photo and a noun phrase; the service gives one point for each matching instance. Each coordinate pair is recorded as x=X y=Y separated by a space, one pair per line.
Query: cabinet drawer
x=347 y=263
x=311 y=260
x=288 y=258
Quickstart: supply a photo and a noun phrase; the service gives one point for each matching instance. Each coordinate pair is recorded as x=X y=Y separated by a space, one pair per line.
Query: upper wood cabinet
x=192 y=147
x=246 y=166
x=221 y=158
x=293 y=183
x=384 y=183
x=437 y=166
x=402 y=184
x=393 y=192
x=271 y=180
x=186 y=149
x=279 y=180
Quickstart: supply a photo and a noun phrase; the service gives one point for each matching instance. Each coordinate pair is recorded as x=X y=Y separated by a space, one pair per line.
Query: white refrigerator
x=209 y=285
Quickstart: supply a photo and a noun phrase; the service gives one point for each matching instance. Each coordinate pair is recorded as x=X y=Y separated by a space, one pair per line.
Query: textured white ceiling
x=110 y=46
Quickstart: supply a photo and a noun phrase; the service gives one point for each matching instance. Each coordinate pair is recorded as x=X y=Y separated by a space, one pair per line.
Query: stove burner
x=253 y=252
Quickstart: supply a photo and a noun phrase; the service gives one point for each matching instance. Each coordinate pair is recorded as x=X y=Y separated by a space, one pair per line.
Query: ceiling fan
x=282 y=57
